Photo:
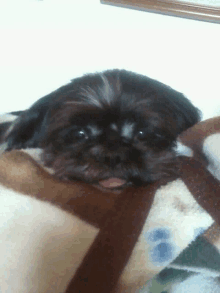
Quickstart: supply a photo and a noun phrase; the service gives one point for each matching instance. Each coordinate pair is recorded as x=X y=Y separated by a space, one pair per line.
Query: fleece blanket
x=59 y=237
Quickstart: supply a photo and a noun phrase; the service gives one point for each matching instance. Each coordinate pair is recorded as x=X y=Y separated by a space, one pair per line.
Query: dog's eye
x=158 y=135
x=79 y=134
x=144 y=135
x=75 y=135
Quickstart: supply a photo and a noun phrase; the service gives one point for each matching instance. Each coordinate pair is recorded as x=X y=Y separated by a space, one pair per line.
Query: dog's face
x=111 y=129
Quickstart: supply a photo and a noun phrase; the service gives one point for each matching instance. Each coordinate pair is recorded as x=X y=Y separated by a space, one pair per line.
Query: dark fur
x=113 y=124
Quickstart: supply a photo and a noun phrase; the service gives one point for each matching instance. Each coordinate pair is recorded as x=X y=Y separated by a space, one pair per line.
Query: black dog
x=111 y=129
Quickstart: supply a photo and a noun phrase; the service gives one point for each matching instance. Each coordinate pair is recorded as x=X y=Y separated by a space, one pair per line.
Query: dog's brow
x=94 y=130
x=113 y=126
x=127 y=130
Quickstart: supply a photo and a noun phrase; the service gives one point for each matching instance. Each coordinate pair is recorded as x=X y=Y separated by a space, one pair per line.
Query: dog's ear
x=186 y=113
x=163 y=99
x=173 y=104
x=26 y=130
x=29 y=128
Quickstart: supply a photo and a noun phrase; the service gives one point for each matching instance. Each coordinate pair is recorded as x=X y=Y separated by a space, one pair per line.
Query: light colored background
x=215 y=3
x=44 y=44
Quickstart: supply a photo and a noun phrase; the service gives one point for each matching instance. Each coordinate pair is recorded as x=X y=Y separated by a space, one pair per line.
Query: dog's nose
x=113 y=159
x=112 y=139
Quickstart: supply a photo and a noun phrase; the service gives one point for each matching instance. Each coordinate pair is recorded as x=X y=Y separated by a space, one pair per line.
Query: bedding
x=71 y=237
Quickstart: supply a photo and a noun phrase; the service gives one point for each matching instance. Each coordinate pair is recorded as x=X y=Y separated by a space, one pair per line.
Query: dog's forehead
x=124 y=128
x=101 y=120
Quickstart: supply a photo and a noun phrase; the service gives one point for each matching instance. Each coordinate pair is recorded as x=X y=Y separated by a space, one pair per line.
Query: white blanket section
x=39 y=241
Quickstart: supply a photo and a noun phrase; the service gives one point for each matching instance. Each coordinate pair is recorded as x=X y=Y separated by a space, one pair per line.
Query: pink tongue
x=112 y=182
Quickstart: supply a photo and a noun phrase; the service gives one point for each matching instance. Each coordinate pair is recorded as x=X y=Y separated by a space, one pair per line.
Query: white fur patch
x=95 y=131
x=183 y=150
x=35 y=153
x=41 y=245
x=107 y=91
x=90 y=96
x=127 y=130
x=113 y=126
x=211 y=148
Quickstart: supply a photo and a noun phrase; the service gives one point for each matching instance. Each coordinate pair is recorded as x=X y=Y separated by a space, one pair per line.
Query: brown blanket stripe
x=196 y=177
x=112 y=248
x=120 y=217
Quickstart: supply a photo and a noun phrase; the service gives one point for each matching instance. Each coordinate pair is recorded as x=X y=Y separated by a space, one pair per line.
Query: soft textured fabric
x=171 y=248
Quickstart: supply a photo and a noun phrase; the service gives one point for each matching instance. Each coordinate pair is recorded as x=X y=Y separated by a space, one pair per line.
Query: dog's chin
x=114 y=183
x=108 y=182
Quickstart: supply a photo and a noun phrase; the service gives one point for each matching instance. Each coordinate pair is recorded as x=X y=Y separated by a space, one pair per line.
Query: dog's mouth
x=112 y=183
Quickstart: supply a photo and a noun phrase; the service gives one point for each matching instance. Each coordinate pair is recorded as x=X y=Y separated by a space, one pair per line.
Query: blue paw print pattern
x=158 y=234
x=162 y=246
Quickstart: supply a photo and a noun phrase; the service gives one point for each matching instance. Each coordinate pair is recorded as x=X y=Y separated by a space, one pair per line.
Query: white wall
x=43 y=44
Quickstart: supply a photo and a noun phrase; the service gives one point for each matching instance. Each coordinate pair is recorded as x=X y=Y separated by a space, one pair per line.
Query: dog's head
x=113 y=129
